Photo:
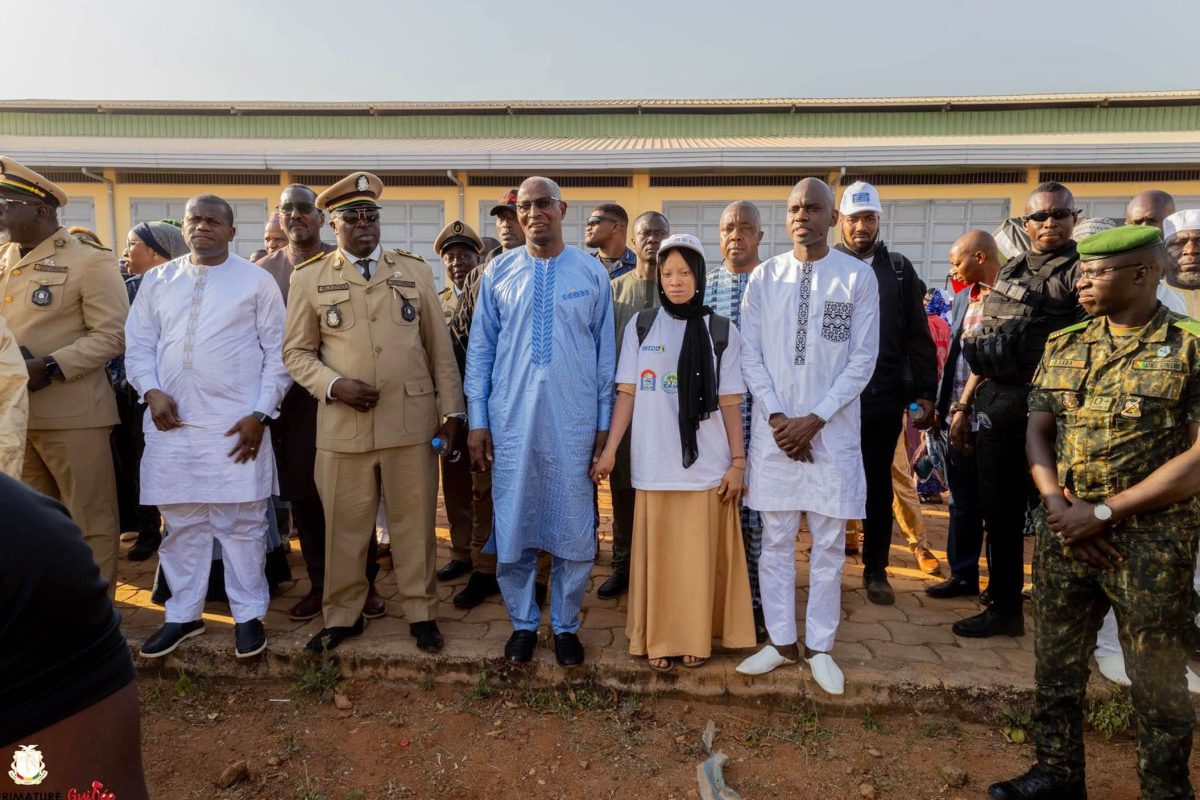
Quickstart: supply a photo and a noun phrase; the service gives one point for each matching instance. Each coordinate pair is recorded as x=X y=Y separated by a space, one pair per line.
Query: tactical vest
x=1018 y=315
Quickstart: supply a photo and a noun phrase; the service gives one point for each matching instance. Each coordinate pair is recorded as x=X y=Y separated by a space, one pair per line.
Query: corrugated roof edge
x=755 y=105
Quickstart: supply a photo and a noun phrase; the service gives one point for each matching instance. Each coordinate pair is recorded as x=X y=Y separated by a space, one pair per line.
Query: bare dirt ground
x=362 y=740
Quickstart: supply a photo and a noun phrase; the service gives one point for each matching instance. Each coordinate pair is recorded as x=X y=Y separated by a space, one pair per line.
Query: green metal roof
x=861 y=122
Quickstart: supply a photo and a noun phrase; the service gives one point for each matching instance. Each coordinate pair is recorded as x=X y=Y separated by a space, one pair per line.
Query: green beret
x=1115 y=241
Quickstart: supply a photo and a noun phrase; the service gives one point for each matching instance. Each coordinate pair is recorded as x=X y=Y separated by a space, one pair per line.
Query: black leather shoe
x=615 y=586
x=454 y=569
x=145 y=546
x=520 y=646
x=953 y=587
x=329 y=638
x=990 y=623
x=249 y=638
x=168 y=637
x=540 y=591
x=568 y=649
x=1037 y=785
x=428 y=637
x=879 y=591
x=479 y=588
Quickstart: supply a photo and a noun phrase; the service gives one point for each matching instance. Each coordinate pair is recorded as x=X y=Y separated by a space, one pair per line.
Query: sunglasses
x=541 y=204
x=359 y=216
x=301 y=207
x=594 y=221
x=1056 y=214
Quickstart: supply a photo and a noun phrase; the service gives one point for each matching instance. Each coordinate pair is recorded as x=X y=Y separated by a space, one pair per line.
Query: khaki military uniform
x=388 y=332
x=1122 y=407
x=66 y=299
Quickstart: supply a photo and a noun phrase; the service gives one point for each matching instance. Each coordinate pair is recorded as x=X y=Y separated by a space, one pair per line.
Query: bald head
x=810 y=215
x=539 y=186
x=974 y=257
x=1149 y=208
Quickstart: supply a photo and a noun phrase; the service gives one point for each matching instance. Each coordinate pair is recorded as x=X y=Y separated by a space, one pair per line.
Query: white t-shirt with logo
x=657 y=456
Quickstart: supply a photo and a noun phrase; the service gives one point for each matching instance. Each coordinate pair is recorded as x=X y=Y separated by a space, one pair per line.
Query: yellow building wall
x=637 y=198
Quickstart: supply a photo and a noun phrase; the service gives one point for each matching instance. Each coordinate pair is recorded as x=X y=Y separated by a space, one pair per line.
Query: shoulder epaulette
x=93 y=244
x=1188 y=325
x=317 y=257
x=408 y=253
x=1078 y=326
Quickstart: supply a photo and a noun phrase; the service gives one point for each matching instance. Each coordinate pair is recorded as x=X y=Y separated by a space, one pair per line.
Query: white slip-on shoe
x=1113 y=668
x=826 y=673
x=763 y=661
x=1193 y=681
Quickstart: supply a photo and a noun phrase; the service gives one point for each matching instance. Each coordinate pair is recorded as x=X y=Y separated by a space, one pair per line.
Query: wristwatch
x=956 y=406
x=53 y=370
x=261 y=417
x=1102 y=512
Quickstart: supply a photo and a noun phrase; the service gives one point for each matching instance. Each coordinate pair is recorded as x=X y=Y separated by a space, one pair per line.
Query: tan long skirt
x=687 y=576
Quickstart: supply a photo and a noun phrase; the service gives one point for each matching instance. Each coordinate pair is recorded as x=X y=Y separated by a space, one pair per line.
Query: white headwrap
x=1186 y=220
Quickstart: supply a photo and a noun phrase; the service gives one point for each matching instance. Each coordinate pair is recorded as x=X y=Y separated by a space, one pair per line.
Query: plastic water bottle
x=916 y=413
x=454 y=455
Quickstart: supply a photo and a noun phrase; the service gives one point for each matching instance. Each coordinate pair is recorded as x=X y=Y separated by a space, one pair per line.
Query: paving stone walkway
x=892 y=655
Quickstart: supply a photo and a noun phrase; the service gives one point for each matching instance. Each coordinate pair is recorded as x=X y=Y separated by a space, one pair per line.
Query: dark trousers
x=964 y=540
x=1005 y=488
x=882 y=420
x=457 y=496
x=309 y=516
x=128 y=442
x=620 y=484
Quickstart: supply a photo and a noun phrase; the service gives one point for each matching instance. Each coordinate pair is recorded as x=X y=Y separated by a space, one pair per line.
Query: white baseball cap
x=860 y=197
x=681 y=240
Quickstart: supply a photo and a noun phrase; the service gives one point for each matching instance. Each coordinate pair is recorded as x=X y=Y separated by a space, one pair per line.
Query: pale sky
x=375 y=50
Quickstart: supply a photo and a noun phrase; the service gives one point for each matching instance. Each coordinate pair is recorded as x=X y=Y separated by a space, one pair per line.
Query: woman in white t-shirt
x=683 y=394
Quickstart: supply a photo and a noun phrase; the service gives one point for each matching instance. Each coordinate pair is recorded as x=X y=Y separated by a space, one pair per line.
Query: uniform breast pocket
x=337 y=312
x=1063 y=384
x=1151 y=395
x=406 y=306
x=46 y=291
x=835 y=320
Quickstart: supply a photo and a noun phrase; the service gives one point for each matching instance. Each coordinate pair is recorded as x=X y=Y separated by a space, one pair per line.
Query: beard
x=1184 y=280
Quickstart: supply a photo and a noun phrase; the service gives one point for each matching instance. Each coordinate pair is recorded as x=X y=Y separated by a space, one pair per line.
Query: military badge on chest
x=333 y=317
x=1131 y=407
x=42 y=296
x=1070 y=401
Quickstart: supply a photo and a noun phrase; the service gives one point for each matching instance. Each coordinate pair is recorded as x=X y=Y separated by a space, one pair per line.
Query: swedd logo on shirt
x=654 y=348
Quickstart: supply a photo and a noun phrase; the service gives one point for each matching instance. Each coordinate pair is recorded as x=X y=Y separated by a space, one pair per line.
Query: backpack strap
x=645 y=321
x=718 y=330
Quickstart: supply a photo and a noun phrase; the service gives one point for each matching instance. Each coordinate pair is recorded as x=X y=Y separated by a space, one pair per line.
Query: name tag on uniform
x=1070 y=363
x=1101 y=403
x=333 y=287
x=49 y=266
x=1170 y=364
x=396 y=280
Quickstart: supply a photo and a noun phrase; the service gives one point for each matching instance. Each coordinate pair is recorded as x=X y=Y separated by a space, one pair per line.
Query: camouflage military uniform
x=1122 y=406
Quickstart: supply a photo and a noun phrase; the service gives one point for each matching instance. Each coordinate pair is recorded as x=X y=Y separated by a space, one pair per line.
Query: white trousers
x=777 y=577
x=186 y=557
x=1108 y=642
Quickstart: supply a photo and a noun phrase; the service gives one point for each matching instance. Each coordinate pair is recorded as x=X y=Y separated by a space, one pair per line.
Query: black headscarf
x=697 y=381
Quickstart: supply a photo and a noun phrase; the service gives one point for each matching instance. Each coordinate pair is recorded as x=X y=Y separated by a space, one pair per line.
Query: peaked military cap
x=457 y=232
x=18 y=178
x=356 y=190
x=1117 y=241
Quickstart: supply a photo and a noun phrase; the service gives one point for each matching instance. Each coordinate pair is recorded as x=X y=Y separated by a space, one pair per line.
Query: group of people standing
x=727 y=408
